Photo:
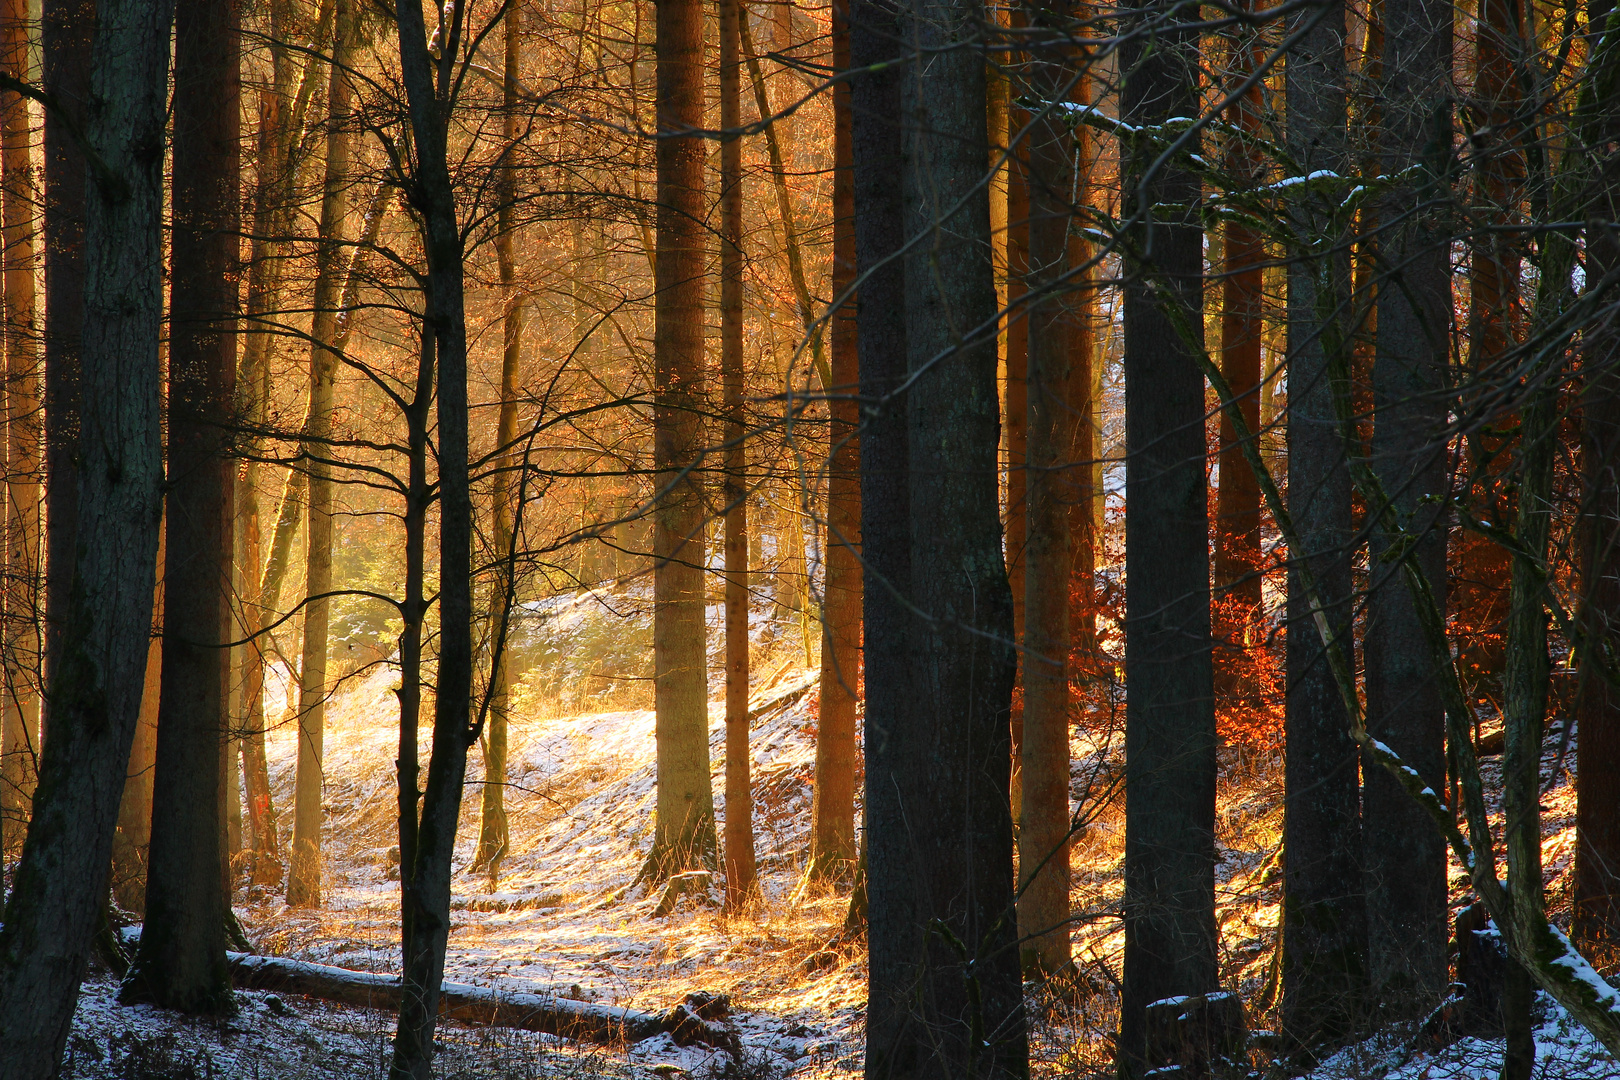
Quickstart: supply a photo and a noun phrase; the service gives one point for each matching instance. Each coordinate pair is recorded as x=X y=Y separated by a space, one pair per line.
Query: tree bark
x=253 y=391
x=685 y=827
x=134 y=835
x=59 y=889
x=304 y=873
x=1015 y=417
x=1405 y=860
x=1597 y=853
x=425 y=878
x=181 y=961
x=1170 y=765
x=493 y=838
x=832 y=835
x=741 y=881
x=893 y=1048
x=19 y=727
x=1238 y=560
x=1324 y=915
x=1053 y=486
x=65 y=34
x=963 y=665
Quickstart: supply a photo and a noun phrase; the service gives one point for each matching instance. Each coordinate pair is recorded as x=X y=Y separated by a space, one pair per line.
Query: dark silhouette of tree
x=1170 y=710
x=59 y=888
x=181 y=960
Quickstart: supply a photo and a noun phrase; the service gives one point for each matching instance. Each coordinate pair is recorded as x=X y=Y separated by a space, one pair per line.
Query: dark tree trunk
x=134 y=835
x=833 y=842
x=741 y=883
x=60 y=885
x=893 y=1049
x=1405 y=856
x=425 y=878
x=1324 y=915
x=969 y=996
x=1596 y=901
x=1052 y=486
x=181 y=962
x=685 y=825
x=19 y=729
x=1597 y=854
x=1170 y=711
x=65 y=33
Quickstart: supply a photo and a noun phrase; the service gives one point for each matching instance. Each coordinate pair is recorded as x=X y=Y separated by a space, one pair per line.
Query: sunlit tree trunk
x=1015 y=414
x=253 y=391
x=1483 y=568
x=832 y=840
x=685 y=826
x=1169 y=900
x=181 y=961
x=1237 y=509
x=1056 y=366
x=59 y=888
x=493 y=839
x=968 y=997
x=304 y=875
x=1324 y=917
x=19 y=728
x=741 y=885
x=1405 y=857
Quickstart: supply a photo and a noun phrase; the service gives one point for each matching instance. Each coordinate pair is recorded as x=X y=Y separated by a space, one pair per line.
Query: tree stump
x=1482 y=962
x=1196 y=1038
x=691 y=883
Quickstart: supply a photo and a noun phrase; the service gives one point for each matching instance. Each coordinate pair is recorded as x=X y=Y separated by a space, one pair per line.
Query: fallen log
x=547 y=1013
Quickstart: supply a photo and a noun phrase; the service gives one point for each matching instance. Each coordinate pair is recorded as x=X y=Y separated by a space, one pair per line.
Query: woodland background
x=1160 y=465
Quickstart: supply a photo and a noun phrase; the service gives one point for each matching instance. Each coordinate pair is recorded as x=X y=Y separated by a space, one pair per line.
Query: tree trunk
x=59 y=890
x=304 y=874
x=1405 y=859
x=1015 y=418
x=1483 y=568
x=832 y=831
x=19 y=728
x=1170 y=763
x=1052 y=487
x=1238 y=559
x=1324 y=916
x=893 y=1048
x=685 y=826
x=741 y=883
x=253 y=390
x=493 y=839
x=425 y=877
x=66 y=30
x=1597 y=853
x=181 y=962
x=134 y=835
x=963 y=665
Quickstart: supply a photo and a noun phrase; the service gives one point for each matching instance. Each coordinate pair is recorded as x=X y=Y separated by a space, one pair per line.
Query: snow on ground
x=1564 y=1051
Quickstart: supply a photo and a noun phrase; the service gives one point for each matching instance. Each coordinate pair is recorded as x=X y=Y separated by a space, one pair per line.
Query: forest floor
x=563 y=916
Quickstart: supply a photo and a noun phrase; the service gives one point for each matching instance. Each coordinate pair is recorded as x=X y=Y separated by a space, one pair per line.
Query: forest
x=929 y=538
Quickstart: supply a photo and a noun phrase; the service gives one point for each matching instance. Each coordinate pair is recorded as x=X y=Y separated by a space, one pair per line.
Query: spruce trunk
x=181 y=962
x=1169 y=901
x=59 y=889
